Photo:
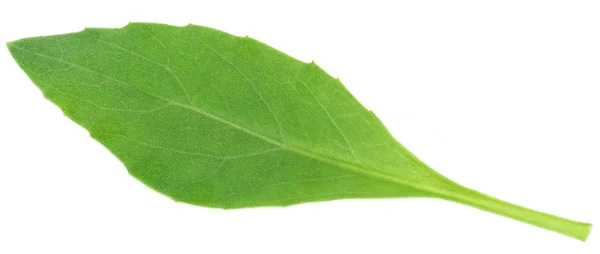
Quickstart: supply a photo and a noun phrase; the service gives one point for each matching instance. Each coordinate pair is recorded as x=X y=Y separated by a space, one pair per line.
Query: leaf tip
x=9 y=44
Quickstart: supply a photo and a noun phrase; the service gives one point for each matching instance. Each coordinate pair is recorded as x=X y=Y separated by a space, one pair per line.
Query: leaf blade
x=106 y=125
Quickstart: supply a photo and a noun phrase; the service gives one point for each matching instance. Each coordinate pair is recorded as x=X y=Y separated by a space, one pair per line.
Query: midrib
x=372 y=173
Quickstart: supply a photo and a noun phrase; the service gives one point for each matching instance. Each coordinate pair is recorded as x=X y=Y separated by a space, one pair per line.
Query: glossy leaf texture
x=216 y=120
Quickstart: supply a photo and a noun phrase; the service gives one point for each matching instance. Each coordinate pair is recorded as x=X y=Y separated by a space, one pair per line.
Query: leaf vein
x=224 y=157
x=167 y=68
x=254 y=88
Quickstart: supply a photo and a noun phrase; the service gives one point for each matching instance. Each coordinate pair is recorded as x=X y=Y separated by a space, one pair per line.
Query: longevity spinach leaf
x=216 y=120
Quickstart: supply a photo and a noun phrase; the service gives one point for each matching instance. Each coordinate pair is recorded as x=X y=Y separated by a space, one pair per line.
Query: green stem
x=575 y=229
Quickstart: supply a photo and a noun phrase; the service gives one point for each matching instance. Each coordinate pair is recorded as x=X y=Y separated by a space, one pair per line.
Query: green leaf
x=216 y=120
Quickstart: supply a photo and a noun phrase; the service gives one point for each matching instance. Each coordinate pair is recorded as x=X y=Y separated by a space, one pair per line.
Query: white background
x=502 y=97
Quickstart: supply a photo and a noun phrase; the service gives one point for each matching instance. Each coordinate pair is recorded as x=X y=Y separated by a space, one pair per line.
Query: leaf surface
x=216 y=120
